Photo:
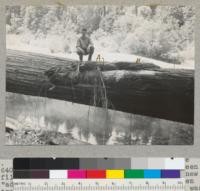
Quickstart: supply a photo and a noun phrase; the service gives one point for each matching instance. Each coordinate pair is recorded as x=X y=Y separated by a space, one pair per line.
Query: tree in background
x=160 y=32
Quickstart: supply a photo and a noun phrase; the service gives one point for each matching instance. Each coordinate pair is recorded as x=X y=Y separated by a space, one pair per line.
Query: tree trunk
x=143 y=89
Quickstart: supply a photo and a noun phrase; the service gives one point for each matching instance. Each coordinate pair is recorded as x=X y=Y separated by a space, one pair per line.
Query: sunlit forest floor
x=16 y=42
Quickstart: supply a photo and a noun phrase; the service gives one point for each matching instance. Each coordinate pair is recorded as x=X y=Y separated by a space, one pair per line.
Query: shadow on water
x=94 y=125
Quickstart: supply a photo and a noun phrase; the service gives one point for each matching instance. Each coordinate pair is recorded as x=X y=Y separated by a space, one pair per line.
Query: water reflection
x=94 y=125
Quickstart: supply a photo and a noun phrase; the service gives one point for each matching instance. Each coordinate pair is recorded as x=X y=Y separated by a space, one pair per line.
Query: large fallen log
x=143 y=89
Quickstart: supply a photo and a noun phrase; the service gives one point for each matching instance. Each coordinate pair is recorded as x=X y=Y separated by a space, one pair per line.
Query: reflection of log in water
x=143 y=89
x=103 y=133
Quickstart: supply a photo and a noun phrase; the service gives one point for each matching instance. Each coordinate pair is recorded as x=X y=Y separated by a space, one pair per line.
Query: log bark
x=143 y=89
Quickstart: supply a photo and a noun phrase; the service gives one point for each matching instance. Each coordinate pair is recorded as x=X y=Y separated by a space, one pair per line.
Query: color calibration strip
x=97 y=168
x=96 y=174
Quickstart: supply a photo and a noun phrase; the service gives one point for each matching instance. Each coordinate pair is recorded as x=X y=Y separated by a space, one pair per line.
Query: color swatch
x=170 y=173
x=96 y=174
x=152 y=174
x=77 y=174
x=58 y=174
x=114 y=174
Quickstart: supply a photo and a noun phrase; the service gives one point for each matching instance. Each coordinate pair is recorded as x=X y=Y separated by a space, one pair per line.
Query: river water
x=92 y=125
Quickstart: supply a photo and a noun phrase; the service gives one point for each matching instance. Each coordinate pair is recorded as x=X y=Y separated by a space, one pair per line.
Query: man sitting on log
x=85 y=46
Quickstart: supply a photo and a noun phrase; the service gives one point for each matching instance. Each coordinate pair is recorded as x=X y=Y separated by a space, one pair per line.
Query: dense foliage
x=160 y=32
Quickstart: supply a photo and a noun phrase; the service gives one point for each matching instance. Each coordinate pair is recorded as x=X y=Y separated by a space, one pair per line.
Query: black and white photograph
x=99 y=75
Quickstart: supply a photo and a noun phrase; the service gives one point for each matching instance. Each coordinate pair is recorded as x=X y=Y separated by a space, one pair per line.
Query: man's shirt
x=84 y=42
